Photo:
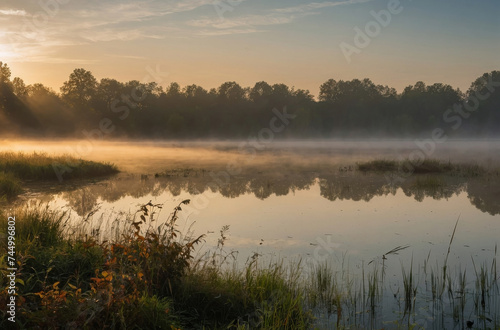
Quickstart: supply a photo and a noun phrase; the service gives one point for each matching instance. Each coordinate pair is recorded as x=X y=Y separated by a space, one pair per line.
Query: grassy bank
x=148 y=279
x=145 y=280
x=427 y=166
x=15 y=167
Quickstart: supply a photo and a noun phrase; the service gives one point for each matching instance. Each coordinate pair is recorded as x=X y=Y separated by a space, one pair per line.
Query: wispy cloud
x=46 y=52
x=227 y=32
x=113 y=13
x=121 y=35
x=243 y=21
x=132 y=57
x=317 y=5
x=188 y=5
x=13 y=12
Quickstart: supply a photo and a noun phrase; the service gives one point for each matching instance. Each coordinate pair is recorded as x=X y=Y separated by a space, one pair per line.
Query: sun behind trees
x=356 y=108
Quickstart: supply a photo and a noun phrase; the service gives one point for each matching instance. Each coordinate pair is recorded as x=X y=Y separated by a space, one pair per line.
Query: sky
x=297 y=42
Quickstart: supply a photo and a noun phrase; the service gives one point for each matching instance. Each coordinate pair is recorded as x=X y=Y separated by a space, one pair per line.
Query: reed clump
x=10 y=186
x=427 y=166
x=18 y=167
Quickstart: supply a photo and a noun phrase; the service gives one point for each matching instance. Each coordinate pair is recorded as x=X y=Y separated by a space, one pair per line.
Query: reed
x=10 y=186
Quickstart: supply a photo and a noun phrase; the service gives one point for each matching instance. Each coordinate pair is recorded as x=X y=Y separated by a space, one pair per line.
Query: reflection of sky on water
x=296 y=224
x=292 y=195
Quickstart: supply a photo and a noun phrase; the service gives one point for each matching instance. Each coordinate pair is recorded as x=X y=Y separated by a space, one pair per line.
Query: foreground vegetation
x=16 y=167
x=146 y=277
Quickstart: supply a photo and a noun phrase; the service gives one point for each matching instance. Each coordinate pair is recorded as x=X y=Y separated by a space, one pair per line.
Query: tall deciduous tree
x=231 y=91
x=4 y=73
x=80 y=88
x=327 y=91
x=20 y=88
x=260 y=91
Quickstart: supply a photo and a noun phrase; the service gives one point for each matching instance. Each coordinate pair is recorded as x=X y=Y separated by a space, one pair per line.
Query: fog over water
x=150 y=156
x=287 y=193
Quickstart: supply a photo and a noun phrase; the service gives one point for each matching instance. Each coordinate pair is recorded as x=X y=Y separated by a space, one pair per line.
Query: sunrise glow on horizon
x=293 y=42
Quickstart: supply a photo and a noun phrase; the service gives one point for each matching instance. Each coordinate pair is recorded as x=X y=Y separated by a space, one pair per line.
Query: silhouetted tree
x=260 y=92
x=231 y=91
x=327 y=91
x=20 y=89
x=344 y=108
x=80 y=88
x=4 y=73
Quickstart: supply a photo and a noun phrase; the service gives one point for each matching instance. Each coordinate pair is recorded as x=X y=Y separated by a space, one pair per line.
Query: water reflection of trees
x=353 y=186
x=484 y=193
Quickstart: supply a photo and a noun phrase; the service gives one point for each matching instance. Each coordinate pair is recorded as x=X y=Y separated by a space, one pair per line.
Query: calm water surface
x=291 y=200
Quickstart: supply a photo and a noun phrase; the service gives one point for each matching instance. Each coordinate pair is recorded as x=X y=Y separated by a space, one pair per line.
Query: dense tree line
x=146 y=110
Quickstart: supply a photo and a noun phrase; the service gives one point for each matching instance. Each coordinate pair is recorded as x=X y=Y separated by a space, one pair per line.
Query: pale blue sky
x=296 y=42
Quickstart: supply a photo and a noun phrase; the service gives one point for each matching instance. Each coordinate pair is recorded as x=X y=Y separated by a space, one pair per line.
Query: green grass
x=10 y=186
x=146 y=279
x=40 y=166
x=18 y=167
x=427 y=166
x=149 y=279
x=254 y=297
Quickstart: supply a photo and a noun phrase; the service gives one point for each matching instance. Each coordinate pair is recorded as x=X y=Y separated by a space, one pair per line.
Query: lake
x=293 y=200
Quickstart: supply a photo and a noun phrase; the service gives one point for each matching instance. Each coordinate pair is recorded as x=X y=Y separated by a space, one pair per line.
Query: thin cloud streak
x=227 y=32
x=13 y=12
x=318 y=5
x=250 y=20
x=132 y=57
x=125 y=35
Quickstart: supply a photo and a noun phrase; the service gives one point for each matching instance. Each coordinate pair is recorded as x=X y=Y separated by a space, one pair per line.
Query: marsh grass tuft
x=410 y=288
x=17 y=167
x=378 y=165
x=427 y=166
x=10 y=186
x=40 y=166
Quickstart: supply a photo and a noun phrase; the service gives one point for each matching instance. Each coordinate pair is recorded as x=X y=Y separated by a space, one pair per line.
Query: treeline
x=356 y=108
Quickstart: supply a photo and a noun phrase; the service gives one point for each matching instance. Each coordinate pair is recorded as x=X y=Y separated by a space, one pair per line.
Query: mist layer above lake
x=298 y=189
